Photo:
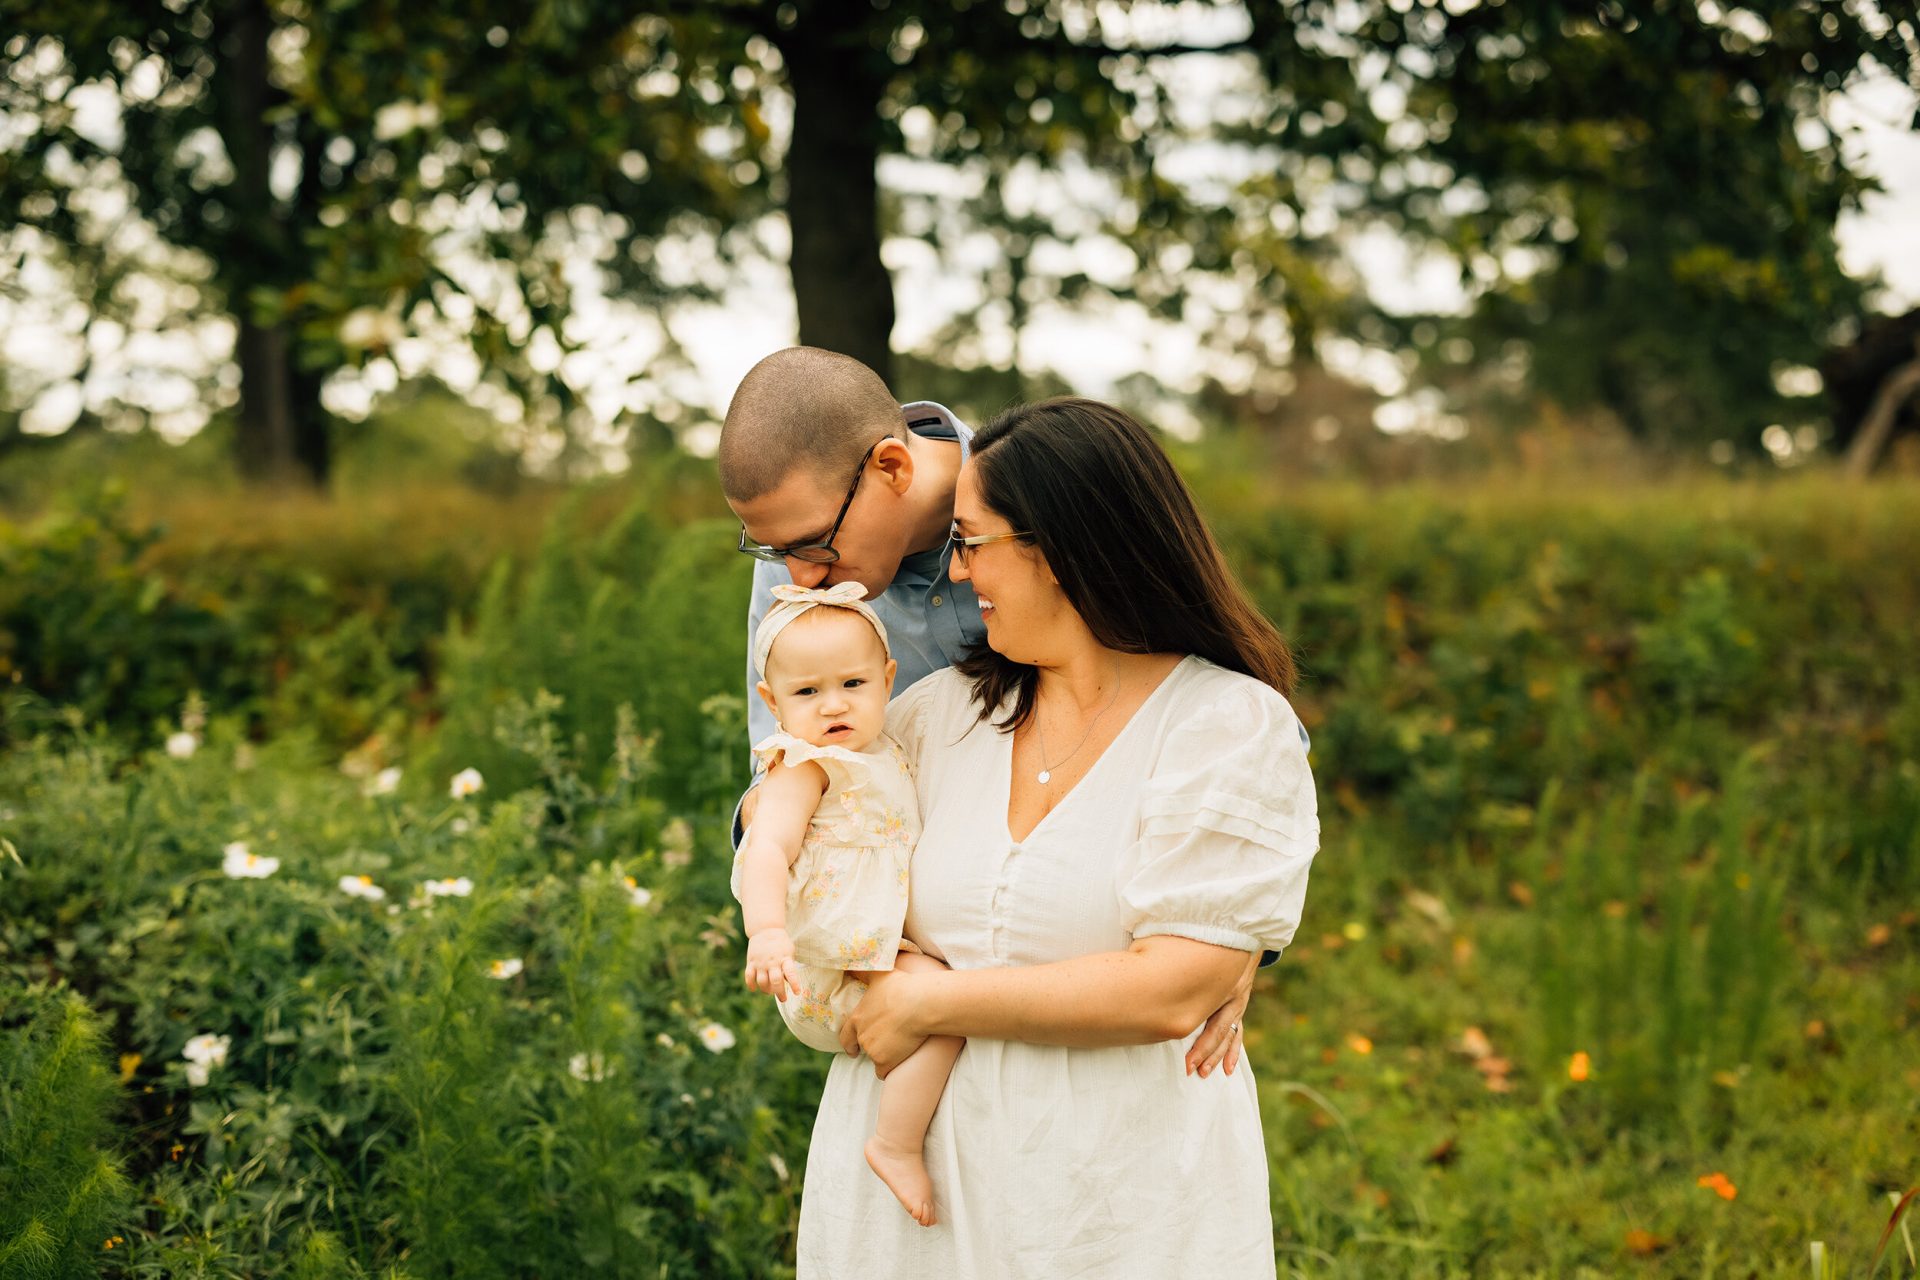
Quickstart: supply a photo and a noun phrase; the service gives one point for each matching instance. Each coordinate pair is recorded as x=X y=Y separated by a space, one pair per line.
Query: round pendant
x=1045 y=776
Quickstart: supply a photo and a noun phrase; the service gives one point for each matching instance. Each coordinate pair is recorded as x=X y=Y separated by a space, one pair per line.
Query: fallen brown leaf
x=1644 y=1243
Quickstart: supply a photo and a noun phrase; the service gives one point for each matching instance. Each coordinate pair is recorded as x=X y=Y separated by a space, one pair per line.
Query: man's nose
x=806 y=573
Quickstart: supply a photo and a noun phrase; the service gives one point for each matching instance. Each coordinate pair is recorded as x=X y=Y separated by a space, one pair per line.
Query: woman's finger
x=850 y=1035
x=1233 y=1050
x=1212 y=1042
x=1221 y=1040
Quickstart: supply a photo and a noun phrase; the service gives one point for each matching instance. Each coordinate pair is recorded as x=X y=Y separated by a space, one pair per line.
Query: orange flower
x=1359 y=1044
x=1719 y=1183
x=1580 y=1067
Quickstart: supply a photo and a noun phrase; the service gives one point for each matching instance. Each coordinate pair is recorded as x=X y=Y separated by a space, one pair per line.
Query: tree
x=1642 y=196
x=1633 y=191
x=301 y=167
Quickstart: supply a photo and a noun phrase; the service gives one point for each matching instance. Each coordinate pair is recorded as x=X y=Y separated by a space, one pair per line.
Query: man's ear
x=766 y=696
x=895 y=460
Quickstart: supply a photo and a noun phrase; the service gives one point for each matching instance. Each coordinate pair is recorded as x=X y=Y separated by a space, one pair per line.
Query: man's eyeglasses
x=963 y=547
x=821 y=551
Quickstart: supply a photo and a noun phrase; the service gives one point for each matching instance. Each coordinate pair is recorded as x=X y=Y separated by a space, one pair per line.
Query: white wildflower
x=465 y=783
x=385 y=782
x=241 y=863
x=664 y=1040
x=361 y=887
x=587 y=1066
x=449 y=887
x=202 y=1054
x=181 y=745
x=460 y=826
x=504 y=969
x=779 y=1167
x=716 y=1037
x=636 y=893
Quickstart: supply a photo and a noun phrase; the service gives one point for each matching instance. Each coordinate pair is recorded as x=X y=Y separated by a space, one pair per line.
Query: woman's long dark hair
x=1119 y=528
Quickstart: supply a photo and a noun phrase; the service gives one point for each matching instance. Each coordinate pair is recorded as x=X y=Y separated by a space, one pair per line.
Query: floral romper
x=847 y=891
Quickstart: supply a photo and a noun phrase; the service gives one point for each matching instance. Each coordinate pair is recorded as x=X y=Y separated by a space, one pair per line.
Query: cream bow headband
x=790 y=601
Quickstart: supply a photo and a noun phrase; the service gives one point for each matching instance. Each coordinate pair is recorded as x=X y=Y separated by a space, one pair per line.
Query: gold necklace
x=1046 y=770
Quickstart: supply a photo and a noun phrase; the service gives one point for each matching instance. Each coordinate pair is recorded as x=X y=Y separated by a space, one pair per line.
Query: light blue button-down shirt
x=931 y=620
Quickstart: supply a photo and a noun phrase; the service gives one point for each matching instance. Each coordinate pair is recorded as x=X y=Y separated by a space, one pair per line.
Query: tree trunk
x=281 y=436
x=1900 y=386
x=842 y=289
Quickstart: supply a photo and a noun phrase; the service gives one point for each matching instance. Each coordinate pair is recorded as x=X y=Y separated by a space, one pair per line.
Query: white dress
x=1198 y=821
x=847 y=888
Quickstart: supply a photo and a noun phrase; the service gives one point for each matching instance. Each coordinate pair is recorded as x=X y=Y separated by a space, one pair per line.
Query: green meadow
x=1610 y=962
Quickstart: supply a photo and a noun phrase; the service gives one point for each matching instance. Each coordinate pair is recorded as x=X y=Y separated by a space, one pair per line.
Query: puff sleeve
x=1228 y=827
x=914 y=707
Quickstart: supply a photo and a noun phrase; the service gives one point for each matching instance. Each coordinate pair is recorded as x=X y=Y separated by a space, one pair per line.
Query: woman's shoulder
x=932 y=697
x=930 y=701
x=1211 y=698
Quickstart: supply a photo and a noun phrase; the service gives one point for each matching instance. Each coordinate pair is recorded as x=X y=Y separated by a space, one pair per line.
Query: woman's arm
x=1161 y=988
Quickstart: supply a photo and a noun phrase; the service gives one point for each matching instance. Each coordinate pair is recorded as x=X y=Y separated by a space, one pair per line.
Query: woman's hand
x=1220 y=1037
x=770 y=966
x=883 y=1023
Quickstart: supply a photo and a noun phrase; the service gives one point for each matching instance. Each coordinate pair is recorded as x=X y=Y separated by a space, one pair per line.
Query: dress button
x=936 y=602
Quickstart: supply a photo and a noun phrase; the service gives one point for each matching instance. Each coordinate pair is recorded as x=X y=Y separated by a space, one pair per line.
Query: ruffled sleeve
x=914 y=708
x=847 y=771
x=1228 y=827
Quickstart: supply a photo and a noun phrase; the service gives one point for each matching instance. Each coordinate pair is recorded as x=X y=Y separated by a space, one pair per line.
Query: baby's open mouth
x=839 y=728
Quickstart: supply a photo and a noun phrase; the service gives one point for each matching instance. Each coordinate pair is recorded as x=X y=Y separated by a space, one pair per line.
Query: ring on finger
x=1233 y=1028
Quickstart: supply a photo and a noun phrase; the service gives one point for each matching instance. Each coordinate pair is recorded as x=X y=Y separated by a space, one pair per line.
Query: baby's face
x=828 y=679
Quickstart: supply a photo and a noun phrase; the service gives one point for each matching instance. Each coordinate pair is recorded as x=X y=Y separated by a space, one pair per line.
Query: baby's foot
x=905 y=1174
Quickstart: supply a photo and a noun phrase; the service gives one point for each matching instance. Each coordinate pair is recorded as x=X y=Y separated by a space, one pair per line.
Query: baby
x=822 y=874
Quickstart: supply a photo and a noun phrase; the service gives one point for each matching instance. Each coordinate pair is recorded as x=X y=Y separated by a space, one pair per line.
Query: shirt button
x=936 y=602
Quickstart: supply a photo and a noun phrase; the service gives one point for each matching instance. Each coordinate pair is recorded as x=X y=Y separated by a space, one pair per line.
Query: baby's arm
x=788 y=796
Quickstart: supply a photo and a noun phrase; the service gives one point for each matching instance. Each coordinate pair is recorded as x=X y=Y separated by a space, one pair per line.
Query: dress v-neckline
x=1125 y=729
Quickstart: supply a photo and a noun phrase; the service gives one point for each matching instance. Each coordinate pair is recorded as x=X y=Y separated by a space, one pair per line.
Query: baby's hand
x=770 y=965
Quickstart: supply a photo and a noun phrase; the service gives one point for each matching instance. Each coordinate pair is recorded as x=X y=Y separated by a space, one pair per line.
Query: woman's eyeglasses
x=963 y=547
x=820 y=550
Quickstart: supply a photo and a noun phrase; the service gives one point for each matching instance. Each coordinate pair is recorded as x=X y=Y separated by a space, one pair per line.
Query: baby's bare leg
x=907 y=1101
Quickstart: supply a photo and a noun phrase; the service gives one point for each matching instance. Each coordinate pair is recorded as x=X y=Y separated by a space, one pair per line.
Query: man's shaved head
x=801 y=409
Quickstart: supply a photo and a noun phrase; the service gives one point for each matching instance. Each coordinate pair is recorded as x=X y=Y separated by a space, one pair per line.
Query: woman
x=1118 y=817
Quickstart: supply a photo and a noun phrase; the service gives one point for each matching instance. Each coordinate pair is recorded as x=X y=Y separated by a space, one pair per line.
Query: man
x=835 y=481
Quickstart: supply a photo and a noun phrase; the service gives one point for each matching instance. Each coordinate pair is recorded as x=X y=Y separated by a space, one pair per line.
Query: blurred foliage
x=61 y=1189
x=386 y=1102
x=1634 y=776
x=1647 y=194
x=1641 y=200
